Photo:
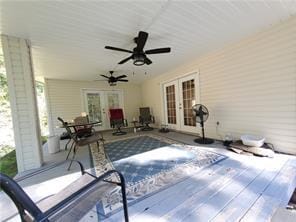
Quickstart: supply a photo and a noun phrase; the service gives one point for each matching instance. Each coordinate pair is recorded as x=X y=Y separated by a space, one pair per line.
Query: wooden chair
x=95 y=137
x=70 y=203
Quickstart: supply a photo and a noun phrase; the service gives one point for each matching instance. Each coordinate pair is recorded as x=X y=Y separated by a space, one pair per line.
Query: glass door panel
x=170 y=95
x=179 y=97
x=188 y=97
x=94 y=107
x=98 y=102
x=188 y=89
x=113 y=100
x=171 y=104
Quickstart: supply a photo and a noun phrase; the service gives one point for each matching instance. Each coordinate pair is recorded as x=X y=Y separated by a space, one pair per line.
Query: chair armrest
x=20 y=198
x=60 y=200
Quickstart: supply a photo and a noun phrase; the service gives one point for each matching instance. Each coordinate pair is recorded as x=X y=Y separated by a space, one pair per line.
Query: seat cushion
x=66 y=192
x=96 y=136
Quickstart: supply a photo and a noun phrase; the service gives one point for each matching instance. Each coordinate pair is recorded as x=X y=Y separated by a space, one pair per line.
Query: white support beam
x=23 y=101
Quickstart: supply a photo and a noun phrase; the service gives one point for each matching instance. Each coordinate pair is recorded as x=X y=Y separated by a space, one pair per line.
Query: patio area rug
x=149 y=164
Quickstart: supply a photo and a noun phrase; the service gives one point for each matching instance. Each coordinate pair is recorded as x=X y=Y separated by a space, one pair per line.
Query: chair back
x=81 y=120
x=82 y=130
x=145 y=115
x=69 y=131
x=116 y=117
x=21 y=200
x=116 y=114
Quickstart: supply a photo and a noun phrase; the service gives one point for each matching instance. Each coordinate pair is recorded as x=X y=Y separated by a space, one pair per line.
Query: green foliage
x=3 y=91
x=8 y=161
x=44 y=139
x=7 y=153
x=5 y=150
x=4 y=99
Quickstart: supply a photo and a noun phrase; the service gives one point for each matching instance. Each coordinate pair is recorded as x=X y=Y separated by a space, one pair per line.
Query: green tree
x=4 y=102
x=7 y=150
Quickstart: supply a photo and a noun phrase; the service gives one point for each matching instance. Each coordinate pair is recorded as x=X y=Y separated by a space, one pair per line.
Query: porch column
x=23 y=101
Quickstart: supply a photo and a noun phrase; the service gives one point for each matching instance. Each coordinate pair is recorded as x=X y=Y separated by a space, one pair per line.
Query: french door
x=179 y=97
x=98 y=102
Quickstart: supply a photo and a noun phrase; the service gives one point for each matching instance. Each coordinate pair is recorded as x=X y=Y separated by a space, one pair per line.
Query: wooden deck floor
x=240 y=188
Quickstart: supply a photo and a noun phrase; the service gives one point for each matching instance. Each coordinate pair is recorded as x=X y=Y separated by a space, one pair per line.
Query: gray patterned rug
x=149 y=164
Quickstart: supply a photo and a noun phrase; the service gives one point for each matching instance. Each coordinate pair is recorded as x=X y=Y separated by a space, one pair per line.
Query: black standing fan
x=202 y=114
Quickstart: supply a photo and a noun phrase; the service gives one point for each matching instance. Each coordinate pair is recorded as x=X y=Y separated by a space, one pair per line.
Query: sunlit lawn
x=8 y=161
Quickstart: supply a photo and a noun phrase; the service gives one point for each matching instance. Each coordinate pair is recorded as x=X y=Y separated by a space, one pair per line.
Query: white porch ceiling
x=68 y=38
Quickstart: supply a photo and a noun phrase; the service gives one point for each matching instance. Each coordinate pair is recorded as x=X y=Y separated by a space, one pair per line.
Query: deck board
x=166 y=200
x=202 y=186
x=205 y=210
x=276 y=195
x=238 y=187
x=242 y=202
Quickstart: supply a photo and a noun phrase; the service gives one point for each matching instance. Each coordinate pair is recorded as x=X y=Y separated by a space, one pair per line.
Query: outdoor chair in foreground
x=70 y=204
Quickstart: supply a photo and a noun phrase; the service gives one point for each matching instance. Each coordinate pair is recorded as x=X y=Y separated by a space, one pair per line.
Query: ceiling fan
x=112 y=80
x=138 y=53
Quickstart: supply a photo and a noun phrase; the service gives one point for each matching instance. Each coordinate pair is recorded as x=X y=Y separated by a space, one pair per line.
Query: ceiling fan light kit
x=139 y=59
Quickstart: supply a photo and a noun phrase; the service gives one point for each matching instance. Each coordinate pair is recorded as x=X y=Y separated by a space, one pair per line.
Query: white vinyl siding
x=65 y=99
x=249 y=87
x=23 y=102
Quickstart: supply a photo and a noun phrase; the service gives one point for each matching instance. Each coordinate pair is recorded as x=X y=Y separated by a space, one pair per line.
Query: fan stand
x=203 y=139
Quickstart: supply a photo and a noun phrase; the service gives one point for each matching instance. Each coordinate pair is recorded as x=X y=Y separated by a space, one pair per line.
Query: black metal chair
x=63 y=205
x=78 y=141
x=146 y=118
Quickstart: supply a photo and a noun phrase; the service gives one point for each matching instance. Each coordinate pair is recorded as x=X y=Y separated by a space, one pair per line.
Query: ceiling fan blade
x=158 y=51
x=122 y=76
x=141 y=40
x=148 y=61
x=105 y=76
x=122 y=80
x=118 y=49
x=125 y=60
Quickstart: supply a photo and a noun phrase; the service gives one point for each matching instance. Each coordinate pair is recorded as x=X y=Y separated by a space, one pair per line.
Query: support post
x=23 y=102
